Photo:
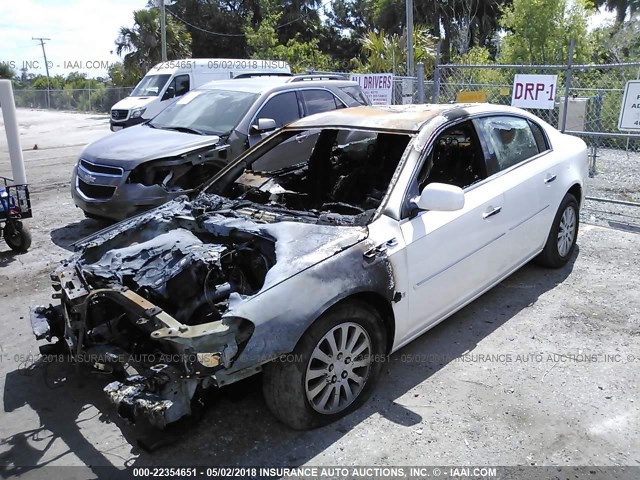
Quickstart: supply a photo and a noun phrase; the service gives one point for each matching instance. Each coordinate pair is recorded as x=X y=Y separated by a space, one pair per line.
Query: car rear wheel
x=332 y=369
x=561 y=241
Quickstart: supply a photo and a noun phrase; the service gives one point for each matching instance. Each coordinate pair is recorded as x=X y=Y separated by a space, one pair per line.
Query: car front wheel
x=561 y=241
x=332 y=369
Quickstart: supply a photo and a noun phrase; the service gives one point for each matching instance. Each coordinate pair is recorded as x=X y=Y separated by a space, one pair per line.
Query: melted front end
x=148 y=300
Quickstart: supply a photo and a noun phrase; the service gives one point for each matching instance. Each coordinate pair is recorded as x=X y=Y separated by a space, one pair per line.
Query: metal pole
x=410 y=38
x=46 y=66
x=567 y=85
x=637 y=78
x=163 y=31
x=420 y=82
x=11 y=129
x=435 y=92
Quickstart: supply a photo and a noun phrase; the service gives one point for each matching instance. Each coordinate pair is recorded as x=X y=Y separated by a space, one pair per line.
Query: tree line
x=366 y=35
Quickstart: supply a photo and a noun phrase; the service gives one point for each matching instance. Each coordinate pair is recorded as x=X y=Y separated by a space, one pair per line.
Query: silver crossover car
x=182 y=147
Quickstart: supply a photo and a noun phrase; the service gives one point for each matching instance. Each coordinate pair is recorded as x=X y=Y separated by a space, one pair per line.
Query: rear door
x=517 y=161
x=318 y=100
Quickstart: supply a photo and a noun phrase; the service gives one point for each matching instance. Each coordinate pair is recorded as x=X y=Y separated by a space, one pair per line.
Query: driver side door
x=453 y=256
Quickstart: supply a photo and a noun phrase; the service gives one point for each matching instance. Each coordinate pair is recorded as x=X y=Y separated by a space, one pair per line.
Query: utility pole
x=46 y=66
x=163 y=30
x=410 y=38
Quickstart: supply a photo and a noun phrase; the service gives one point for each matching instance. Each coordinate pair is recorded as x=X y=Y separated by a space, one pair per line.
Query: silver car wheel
x=338 y=368
x=566 y=231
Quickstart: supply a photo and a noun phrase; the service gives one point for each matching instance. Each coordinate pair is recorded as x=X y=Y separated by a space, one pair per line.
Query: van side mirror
x=170 y=93
x=440 y=197
x=263 y=125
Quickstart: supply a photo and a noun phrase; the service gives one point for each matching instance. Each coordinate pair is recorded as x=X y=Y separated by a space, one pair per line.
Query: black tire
x=284 y=380
x=552 y=256
x=17 y=236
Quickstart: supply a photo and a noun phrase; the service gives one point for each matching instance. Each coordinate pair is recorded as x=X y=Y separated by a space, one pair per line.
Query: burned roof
x=405 y=118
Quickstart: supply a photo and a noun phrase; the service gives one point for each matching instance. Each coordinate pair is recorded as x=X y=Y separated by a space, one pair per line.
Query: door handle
x=301 y=137
x=491 y=213
x=550 y=178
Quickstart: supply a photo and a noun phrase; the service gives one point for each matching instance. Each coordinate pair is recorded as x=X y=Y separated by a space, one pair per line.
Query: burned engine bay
x=151 y=299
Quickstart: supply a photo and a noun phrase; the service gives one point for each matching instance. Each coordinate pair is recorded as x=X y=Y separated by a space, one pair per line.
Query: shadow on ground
x=237 y=428
x=7 y=256
x=66 y=236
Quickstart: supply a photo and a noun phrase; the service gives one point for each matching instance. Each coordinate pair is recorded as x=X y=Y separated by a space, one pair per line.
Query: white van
x=171 y=79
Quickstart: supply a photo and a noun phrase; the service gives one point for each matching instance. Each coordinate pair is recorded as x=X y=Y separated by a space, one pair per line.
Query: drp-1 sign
x=534 y=91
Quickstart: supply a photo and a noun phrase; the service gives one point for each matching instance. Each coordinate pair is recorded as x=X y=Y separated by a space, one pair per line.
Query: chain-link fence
x=594 y=95
x=587 y=104
x=83 y=100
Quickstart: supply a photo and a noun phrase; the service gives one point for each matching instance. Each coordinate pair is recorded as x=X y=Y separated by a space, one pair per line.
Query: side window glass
x=455 y=158
x=319 y=101
x=282 y=108
x=538 y=134
x=509 y=139
x=181 y=85
x=356 y=94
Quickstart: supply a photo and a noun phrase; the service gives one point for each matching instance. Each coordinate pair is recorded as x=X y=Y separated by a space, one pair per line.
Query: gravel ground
x=542 y=370
x=616 y=177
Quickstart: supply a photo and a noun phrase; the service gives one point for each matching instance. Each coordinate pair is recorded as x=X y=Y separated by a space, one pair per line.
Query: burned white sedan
x=335 y=241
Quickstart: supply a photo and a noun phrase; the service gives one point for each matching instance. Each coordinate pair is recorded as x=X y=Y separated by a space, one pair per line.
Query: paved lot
x=541 y=370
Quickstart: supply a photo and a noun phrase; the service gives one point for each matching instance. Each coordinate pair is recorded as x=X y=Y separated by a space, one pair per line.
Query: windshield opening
x=209 y=112
x=150 y=86
x=325 y=176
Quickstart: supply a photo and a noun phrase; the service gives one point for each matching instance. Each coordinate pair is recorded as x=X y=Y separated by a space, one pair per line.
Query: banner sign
x=377 y=86
x=630 y=110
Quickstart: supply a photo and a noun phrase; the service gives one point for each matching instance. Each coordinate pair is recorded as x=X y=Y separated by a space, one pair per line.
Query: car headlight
x=137 y=112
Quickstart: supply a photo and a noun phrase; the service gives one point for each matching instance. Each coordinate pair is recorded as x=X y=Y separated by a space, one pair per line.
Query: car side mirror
x=263 y=125
x=170 y=93
x=440 y=197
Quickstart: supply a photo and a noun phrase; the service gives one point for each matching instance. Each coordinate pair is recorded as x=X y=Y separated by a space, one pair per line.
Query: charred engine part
x=190 y=276
x=48 y=323
x=160 y=396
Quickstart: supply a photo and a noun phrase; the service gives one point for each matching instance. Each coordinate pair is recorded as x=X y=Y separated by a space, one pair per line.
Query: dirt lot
x=541 y=370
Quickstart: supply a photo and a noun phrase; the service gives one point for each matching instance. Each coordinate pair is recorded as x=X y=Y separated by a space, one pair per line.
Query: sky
x=81 y=32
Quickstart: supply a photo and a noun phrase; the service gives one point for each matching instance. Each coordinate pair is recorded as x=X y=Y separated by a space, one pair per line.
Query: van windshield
x=207 y=112
x=150 y=86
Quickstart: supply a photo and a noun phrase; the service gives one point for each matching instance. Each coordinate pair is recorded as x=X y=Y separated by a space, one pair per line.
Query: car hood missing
x=206 y=253
x=141 y=143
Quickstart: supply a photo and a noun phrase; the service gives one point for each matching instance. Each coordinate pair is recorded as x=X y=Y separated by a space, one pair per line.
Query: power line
x=203 y=30
x=301 y=17
x=46 y=66
x=306 y=15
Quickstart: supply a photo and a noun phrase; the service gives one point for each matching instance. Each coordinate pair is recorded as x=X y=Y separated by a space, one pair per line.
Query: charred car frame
x=340 y=239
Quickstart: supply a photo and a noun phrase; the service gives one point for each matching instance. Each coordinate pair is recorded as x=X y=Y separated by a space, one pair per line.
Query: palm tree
x=620 y=7
x=388 y=53
x=142 y=41
x=6 y=71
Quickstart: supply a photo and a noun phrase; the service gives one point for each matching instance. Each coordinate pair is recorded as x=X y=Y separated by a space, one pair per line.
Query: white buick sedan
x=338 y=239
